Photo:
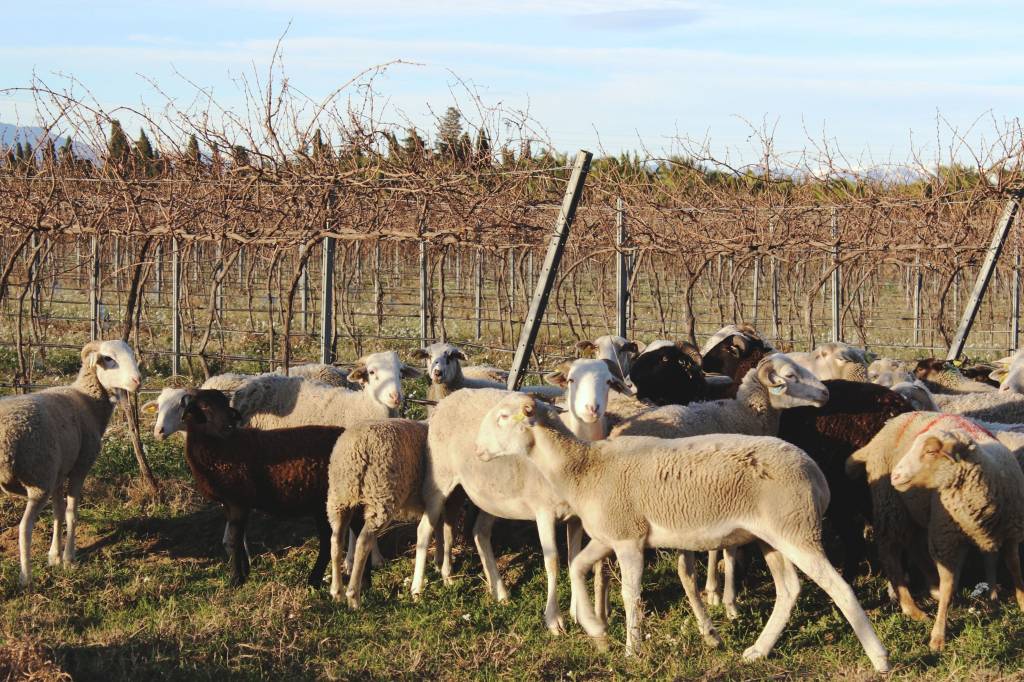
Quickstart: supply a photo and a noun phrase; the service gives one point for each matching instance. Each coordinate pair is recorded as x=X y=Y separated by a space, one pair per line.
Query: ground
x=149 y=599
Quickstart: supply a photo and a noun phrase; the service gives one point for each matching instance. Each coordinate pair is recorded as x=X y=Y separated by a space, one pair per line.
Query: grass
x=149 y=599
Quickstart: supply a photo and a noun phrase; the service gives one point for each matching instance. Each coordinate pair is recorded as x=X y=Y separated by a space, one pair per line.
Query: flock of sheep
x=662 y=446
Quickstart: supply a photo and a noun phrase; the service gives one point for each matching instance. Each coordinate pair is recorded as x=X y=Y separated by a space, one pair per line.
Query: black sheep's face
x=659 y=375
x=209 y=412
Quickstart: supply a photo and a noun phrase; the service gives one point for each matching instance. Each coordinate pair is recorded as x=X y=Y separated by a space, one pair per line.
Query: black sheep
x=669 y=375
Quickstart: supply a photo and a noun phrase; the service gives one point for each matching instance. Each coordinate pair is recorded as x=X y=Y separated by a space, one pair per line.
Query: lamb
x=777 y=383
x=633 y=493
x=510 y=489
x=887 y=372
x=445 y=371
x=49 y=440
x=940 y=376
x=834 y=360
x=953 y=478
x=280 y=471
x=616 y=349
x=376 y=465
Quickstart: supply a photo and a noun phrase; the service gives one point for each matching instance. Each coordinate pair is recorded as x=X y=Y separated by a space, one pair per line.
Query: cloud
x=638 y=19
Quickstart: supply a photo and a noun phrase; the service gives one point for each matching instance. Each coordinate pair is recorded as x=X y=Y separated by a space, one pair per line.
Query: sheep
x=168 y=405
x=940 y=376
x=669 y=375
x=325 y=374
x=953 y=478
x=917 y=394
x=776 y=383
x=691 y=494
x=376 y=465
x=506 y=489
x=834 y=360
x=445 y=371
x=1009 y=373
x=993 y=406
x=887 y=372
x=280 y=471
x=618 y=350
x=49 y=440
x=854 y=413
x=733 y=351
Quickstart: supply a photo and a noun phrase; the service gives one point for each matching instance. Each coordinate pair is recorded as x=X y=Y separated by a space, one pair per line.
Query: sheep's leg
x=364 y=546
x=59 y=511
x=573 y=543
x=787 y=589
x=711 y=583
x=549 y=547
x=350 y=552
x=71 y=517
x=631 y=565
x=323 y=533
x=339 y=520
x=729 y=586
x=28 y=521
x=890 y=557
x=601 y=585
x=237 y=517
x=434 y=506
x=594 y=551
x=991 y=561
x=482 y=538
x=813 y=562
x=688 y=577
x=948 y=568
x=1011 y=555
x=376 y=558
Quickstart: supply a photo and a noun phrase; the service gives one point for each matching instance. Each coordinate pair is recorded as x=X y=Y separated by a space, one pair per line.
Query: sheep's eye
x=372 y=372
x=571 y=381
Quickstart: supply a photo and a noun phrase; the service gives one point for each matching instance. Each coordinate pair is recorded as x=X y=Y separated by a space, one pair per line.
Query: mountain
x=11 y=134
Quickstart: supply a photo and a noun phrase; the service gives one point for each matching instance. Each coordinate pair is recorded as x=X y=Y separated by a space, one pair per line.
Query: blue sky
x=869 y=75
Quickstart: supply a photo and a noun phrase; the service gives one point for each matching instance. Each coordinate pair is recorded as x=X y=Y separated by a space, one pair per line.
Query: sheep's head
x=613 y=348
x=169 y=408
x=919 y=397
x=886 y=372
x=586 y=383
x=381 y=374
x=789 y=384
x=921 y=465
x=661 y=374
x=442 y=361
x=208 y=411
x=507 y=428
x=837 y=360
x=114 y=365
x=731 y=344
x=929 y=367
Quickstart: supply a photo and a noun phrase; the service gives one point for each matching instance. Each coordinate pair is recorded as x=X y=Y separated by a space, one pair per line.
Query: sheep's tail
x=8 y=481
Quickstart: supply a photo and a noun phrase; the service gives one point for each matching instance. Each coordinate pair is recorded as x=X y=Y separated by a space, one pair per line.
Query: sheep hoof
x=336 y=595
x=730 y=612
x=711 y=639
x=600 y=642
x=53 y=559
x=912 y=612
x=353 y=602
x=712 y=599
x=881 y=663
x=752 y=654
x=448 y=580
x=937 y=642
x=556 y=625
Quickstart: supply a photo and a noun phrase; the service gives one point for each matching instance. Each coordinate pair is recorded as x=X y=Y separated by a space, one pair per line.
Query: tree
x=144 y=154
x=50 y=152
x=66 y=156
x=464 y=150
x=321 y=149
x=482 y=149
x=413 y=145
x=449 y=131
x=192 y=151
x=118 y=148
x=216 y=160
x=239 y=156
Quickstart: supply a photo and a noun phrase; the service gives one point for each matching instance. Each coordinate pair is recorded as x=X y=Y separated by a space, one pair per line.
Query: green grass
x=149 y=599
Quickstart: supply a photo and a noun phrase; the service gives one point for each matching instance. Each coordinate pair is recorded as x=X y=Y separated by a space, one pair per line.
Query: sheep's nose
x=592 y=409
x=436 y=373
x=393 y=398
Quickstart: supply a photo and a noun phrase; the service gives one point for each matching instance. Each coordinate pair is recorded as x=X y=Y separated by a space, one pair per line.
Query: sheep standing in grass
x=49 y=440
x=690 y=494
x=953 y=478
x=444 y=369
x=378 y=466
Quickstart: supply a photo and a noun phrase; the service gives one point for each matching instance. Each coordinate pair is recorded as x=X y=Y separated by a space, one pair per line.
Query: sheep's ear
x=617 y=382
x=999 y=374
x=420 y=354
x=149 y=407
x=556 y=378
x=933 y=448
x=460 y=355
x=585 y=347
x=185 y=401
x=691 y=350
x=630 y=347
x=407 y=372
x=358 y=374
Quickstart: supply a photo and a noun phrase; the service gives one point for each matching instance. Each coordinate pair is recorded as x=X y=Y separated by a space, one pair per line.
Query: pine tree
x=482 y=149
x=19 y=153
x=239 y=156
x=118 y=147
x=394 y=148
x=50 y=153
x=413 y=145
x=144 y=155
x=192 y=150
x=449 y=130
x=464 y=150
x=67 y=154
x=216 y=161
x=321 y=150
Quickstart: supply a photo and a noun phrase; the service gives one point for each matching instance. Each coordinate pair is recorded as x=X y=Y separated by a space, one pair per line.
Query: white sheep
x=616 y=349
x=691 y=494
x=1009 y=373
x=444 y=369
x=169 y=406
x=994 y=406
x=49 y=440
x=834 y=360
x=917 y=394
x=378 y=466
x=502 y=489
x=954 y=479
x=325 y=374
x=888 y=372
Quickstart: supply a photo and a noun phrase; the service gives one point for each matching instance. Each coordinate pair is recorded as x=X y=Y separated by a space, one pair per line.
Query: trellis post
x=175 y=307
x=424 y=292
x=1015 y=305
x=94 y=290
x=327 y=303
x=837 y=289
x=621 y=269
x=556 y=246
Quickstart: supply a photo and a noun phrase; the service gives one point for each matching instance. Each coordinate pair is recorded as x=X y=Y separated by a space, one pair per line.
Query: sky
x=882 y=80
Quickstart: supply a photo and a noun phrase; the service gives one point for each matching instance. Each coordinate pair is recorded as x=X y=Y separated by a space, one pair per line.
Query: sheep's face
x=918 y=396
x=169 y=409
x=789 y=384
x=921 y=465
x=886 y=372
x=928 y=368
x=726 y=348
x=586 y=383
x=838 y=361
x=667 y=375
x=442 y=361
x=381 y=374
x=506 y=429
x=114 y=364
x=615 y=349
x=209 y=412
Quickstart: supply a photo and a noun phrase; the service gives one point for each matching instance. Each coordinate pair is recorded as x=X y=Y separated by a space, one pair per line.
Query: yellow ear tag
x=518 y=417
